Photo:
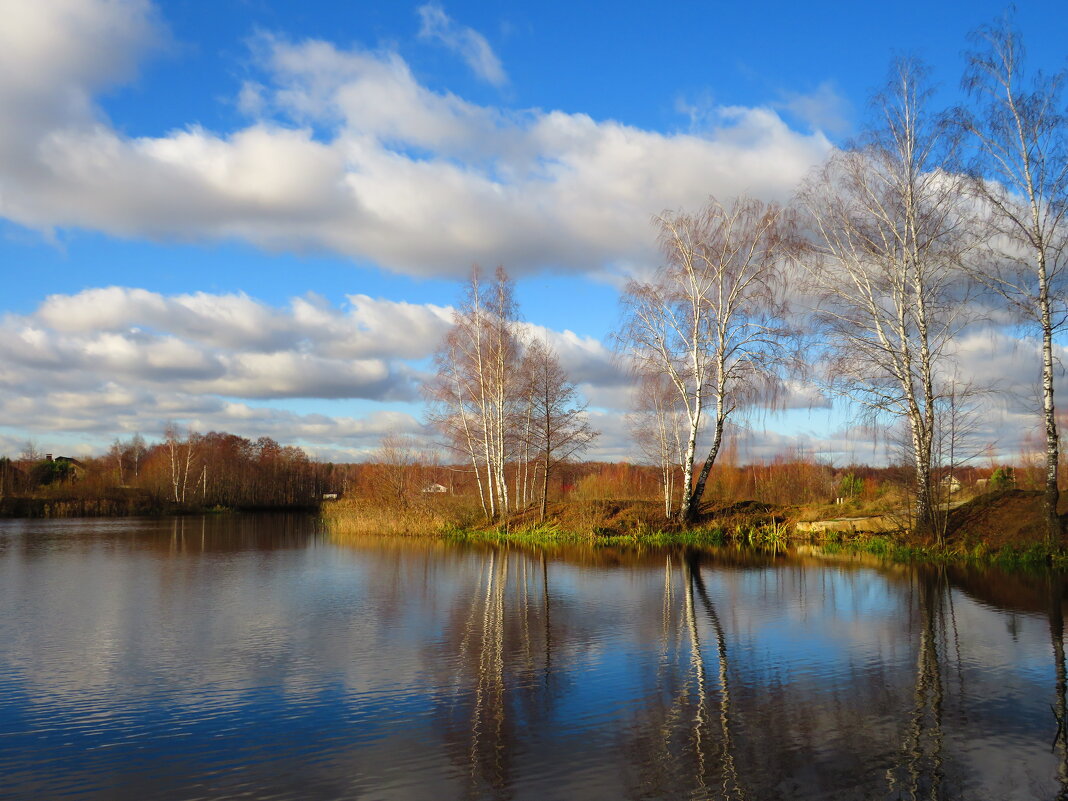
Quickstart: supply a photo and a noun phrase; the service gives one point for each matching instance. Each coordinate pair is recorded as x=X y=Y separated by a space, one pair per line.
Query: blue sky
x=252 y=216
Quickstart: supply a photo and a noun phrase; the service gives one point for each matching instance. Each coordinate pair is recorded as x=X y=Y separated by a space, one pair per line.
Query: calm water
x=250 y=656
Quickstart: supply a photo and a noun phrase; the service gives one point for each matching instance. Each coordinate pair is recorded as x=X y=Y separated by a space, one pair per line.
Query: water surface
x=245 y=655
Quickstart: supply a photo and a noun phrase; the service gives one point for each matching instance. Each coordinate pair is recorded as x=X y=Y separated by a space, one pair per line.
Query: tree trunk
x=1052 y=495
x=666 y=478
x=924 y=512
x=706 y=468
x=921 y=457
x=544 y=490
x=685 y=512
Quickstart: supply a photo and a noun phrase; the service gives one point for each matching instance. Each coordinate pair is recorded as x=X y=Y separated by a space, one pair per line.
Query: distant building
x=329 y=496
x=68 y=465
x=951 y=483
x=435 y=488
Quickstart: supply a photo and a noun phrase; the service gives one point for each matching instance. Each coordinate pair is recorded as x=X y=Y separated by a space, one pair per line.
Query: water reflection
x=1056 y=630
x=686 y=743
x=217 y=657
x=920 y=771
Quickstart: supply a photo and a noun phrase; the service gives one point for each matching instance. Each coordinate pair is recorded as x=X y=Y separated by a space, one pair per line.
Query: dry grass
x=586 y=518
x=367 y=518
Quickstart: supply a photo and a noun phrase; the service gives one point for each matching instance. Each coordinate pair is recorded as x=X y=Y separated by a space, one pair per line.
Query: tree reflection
x=722 y=678
x=687 y=749
x=1056 y=630
x=484 y=637
x=501 y=681
x=919 y=771
x=731 y=787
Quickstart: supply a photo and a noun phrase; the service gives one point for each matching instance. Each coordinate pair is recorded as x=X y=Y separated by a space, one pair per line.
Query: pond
x=252 y=655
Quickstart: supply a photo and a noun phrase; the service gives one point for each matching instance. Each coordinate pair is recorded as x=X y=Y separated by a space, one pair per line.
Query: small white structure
x=329 y=496
x=950 y=483
x=435 y=488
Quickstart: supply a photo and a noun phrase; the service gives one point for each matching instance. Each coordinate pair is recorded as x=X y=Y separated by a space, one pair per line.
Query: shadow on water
x=1056 y=629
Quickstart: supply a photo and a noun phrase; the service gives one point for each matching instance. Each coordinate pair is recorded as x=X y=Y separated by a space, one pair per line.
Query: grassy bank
x=1000 y=528
x=576 y=521
x=117 y=505
x=900 y=549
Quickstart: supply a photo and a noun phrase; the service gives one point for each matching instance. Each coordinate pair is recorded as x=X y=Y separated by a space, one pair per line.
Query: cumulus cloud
x=347 y=152
x=230 y=345
x=369 y=328
x=466 y=42
x=350 y=154
x=115 y=360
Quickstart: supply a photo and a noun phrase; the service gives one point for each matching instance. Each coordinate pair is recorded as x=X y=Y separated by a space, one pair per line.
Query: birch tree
x=712 y=321
x=559 y=428
x=1019 y=132
x=182 y=455
x=890 y=238
x=476 y=391
x=656 y=425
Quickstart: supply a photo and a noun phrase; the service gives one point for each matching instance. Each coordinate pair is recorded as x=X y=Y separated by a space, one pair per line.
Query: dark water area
x=251 y=656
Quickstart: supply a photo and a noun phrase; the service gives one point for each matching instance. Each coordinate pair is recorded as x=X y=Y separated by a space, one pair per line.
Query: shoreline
x=748 y=525
x=608 y=524
x=27 y=508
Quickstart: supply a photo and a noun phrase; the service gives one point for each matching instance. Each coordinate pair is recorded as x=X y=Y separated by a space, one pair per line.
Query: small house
x=950 y=483
x=435 y=488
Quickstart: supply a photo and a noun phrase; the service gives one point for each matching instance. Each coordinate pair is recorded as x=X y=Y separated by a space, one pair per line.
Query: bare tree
x=885 y=268
x=397 y=463
x=476 y=391
x=136 y=451
x=127 y=457
x=30 y=451
x=657 y=424
x=181 y=453
x=1021 y=173
x=713 y=319
x=558 y=428
x=117 y=453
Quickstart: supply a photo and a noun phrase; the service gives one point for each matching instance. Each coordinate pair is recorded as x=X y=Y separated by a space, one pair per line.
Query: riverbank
x=1004 y=527
x=120 y=505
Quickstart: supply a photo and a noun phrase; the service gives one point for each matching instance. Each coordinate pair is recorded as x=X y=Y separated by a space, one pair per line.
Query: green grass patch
x=1008 y=556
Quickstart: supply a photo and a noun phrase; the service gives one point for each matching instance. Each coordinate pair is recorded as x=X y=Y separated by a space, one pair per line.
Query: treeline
x=786 y=480
x=183 y=471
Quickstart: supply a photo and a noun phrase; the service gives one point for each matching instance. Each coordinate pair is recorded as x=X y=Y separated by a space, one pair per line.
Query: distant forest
x=197 y=472
x=181 y=472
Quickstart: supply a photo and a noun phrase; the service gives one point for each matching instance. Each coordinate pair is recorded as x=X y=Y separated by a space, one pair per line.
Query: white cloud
x=467 y=43
x=110 y=360
x=822 y=109
x=115 y=360
x=54 y=54
x=230 y=345
x=349 y=153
